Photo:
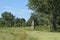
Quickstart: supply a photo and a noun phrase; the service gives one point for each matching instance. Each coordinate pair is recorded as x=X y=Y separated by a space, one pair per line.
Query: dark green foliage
x=7 y=16
x=42 y=28
x=2 y=22
x=9 y=20
x=19 y=22
x=8 y=24
x=16 y=22
x=50 y=8
x=28 y=23
x=23 y=22
x=38 y=18
x=34 y=17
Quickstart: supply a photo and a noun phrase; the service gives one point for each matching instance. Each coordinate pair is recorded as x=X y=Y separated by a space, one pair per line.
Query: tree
x=33 y=20
x=19 y=22
x=8 y=17
x=2 y=22
x=39 y=19
x=23 y=22
x=48 y=7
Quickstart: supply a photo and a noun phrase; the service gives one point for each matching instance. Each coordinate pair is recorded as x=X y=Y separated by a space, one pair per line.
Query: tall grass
x=13 y=33
x=18 y=33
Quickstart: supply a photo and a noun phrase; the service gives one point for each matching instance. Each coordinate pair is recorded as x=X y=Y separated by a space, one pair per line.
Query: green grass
x=26 y=33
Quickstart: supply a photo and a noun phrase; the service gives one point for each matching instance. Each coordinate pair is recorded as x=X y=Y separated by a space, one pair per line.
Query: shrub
x=42 y=28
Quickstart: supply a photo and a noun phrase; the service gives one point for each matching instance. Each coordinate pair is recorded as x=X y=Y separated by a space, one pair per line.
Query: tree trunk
x=32 y=25
x=54 y=11
x=55 y=23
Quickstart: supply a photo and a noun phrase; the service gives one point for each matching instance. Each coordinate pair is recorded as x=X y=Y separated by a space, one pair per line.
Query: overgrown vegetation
x=19 y=33
x=43 y=24
x=47 y=12
x=9 y=20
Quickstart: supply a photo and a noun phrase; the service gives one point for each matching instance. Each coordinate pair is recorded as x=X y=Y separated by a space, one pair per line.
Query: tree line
x=7 y=19
x=46 y=12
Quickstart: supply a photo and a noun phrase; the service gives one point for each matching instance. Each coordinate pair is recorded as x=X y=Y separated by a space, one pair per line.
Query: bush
x=42 y=28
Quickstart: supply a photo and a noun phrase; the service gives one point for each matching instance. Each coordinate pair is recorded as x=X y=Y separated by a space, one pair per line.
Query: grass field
x=17 y=33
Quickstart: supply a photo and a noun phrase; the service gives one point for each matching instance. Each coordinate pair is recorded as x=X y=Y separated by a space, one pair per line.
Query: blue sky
x=17 y=7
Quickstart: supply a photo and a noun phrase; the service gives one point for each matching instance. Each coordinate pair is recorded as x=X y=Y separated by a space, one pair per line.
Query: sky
x=17 y=7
